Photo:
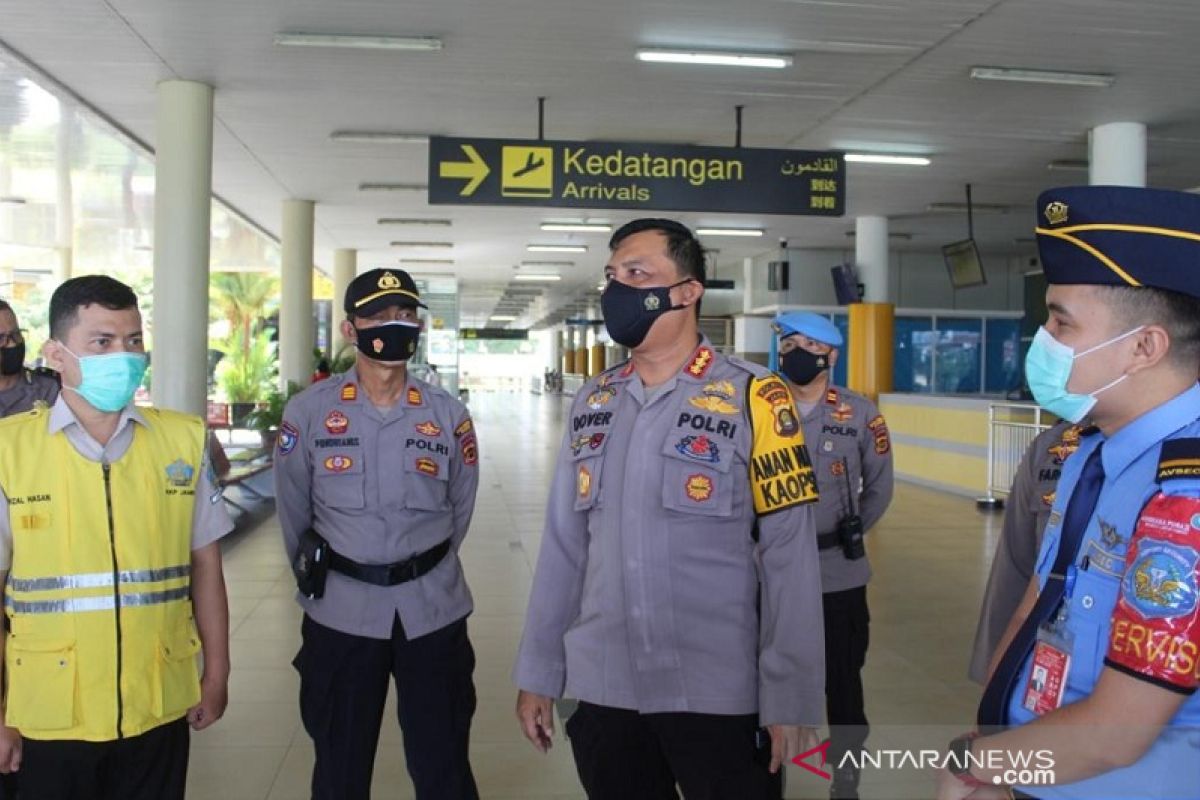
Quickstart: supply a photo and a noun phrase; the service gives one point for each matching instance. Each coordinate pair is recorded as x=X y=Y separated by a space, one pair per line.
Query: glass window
x=913 y=368
x=958 y=356
x=1003 y=356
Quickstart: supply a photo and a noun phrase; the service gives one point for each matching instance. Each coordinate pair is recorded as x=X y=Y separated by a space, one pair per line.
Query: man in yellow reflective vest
x=111 y=572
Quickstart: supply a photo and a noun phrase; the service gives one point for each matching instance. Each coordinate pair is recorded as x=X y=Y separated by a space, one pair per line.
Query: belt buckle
x=403 y=572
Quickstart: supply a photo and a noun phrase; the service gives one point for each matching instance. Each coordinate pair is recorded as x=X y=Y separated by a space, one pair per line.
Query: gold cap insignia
x=389 y=281
x=1056 y=212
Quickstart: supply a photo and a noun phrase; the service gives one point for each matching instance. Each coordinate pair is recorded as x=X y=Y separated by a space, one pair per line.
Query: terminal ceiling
x=871 y=75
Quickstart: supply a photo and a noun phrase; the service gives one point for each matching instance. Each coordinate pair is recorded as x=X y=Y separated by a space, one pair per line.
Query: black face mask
x=629 y=312
x=12 y=359
x=802 y=367
x=391 y=341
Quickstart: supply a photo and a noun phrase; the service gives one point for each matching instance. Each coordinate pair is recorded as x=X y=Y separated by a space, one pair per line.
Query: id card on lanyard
x=1051 y=658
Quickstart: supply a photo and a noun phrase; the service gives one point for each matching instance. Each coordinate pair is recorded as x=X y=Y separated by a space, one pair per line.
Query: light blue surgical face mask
x=1048 y=370
x=108 y=382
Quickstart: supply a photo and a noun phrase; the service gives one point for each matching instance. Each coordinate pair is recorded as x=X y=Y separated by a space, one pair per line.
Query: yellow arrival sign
x=474 y=169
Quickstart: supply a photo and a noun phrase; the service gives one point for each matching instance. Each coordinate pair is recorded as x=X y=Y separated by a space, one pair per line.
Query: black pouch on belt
x=311 y=564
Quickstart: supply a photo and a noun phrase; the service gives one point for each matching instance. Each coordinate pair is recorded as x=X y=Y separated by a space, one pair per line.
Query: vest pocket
x=426 y=480
x=178 y=678
x=41 y=684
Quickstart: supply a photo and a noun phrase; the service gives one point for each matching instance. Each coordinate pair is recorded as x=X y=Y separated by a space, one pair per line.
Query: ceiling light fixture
x=557 y=248
x=427 y=261
x=422 y=244
x=503 y=318
x=547 y=264
x=715 y=58
x=1068 y=165
x=379 y=137
x=392 y=187
x=538 y=278
x=12 y=200
x=904 y=237
x=961 y=208
x=884 y=158
x=444 y=223
x=748 y=232
x=577 y=227
x=357 y=42
x=1095 y=80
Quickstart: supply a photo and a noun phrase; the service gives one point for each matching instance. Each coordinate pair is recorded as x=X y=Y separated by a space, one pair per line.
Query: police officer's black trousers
x=624 y=755
x=343 y=686
x=151 y=766
x=847 y=623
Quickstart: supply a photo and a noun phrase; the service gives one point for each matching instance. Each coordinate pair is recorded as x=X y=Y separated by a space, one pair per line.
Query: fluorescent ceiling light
x=714 y=58
x=392 y=187
x=503 y=318
x=557 y=248
x=753 y=232
x=379 y=137
x=422 y=244
x=358 y=42
x=1068 y=165
x=445 y=223
x=427 y=261
x=904 y=237
x=1098 y=80
x=547 y=264
x=12 y=200
x=881 y=158
x=577 y=227
x=961 y=208
x=538 y=278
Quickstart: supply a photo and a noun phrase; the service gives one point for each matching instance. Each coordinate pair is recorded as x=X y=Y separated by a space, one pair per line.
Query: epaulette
x=1179 y=459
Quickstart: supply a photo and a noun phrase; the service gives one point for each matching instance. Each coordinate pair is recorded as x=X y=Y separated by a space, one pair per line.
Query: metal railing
x=1012 y=427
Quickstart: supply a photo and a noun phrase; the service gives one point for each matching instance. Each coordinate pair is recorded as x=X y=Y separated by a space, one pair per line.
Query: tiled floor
x=930 y=556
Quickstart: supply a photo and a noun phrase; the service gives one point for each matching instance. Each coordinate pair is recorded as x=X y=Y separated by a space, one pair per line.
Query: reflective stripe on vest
x=95 y=580
x=76 y=605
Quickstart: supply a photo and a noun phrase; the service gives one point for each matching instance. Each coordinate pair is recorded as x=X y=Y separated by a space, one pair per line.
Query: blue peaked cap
x=814 y=326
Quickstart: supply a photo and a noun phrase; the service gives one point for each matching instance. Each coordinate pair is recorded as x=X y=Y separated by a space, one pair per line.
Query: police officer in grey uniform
x=1025 y=517
x=20 y=388
x=852 y=457
x=682 y=496
x=375 y=479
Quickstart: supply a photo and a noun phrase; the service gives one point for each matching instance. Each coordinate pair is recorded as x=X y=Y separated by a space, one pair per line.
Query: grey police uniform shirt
x=845 y=425
x=29 y=388
x=380 y=488
x=210 y=518
x=1027 y=510
x=646 y=584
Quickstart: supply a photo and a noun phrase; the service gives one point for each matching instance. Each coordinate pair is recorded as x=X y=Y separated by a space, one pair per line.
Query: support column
x=871 y=257
x=345 y=268
x=182 y=211
x=296 y=329
x=556 y=350
x=569 y=355
x=64 y=197
x=870 y=348
x=1117 y=154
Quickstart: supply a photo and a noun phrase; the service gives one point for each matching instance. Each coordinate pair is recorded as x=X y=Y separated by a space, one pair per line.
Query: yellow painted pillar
x=872 y=351
x=581 y=361
x=568 y=362
x=597 y=359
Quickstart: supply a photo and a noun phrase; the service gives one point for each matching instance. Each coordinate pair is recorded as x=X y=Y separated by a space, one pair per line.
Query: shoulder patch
x=1179 y=459
x=781 y=472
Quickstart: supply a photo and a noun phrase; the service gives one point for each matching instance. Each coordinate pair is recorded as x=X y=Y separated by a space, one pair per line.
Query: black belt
x=390 y=574
x=828 y=541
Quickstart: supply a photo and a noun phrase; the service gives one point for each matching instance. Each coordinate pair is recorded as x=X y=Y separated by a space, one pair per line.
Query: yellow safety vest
x=101 y=642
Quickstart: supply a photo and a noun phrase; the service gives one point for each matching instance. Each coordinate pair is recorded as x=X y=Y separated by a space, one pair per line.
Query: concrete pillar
x=556 y=350
x=182 y=203
x=871 y=257
x=569 y=355
x=64 y=197
x=297 y=333
x=1117 y=154
x=747 y=285
x=345 y=268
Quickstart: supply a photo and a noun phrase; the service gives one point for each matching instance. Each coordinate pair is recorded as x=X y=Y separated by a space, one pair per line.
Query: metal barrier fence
x=1011 y=429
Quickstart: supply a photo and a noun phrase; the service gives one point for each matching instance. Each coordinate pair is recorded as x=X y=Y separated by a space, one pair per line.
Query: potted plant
x=268 y=416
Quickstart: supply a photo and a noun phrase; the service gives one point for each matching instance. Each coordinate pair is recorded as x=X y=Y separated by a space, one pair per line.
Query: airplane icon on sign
x=532 y=162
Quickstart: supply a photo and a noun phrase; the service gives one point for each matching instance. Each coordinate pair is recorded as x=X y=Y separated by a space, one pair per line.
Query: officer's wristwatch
x=959 y=764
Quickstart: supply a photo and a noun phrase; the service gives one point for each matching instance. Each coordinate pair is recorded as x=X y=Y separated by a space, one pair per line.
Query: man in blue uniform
x=1098 y=667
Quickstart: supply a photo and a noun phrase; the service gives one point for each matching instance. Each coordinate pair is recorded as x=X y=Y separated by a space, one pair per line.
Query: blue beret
x=1120 y=236
x=814 y=326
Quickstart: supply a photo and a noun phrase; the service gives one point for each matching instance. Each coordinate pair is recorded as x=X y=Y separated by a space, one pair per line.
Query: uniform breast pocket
x=697 y=477
x=426 y=477
x=338 y=480
x=1092 y=602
